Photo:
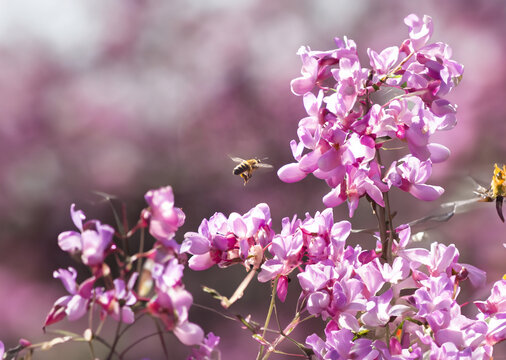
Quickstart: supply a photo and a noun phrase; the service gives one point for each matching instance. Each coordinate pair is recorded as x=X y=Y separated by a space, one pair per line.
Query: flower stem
x=391 y=232
x=269 y=314
x=116 y=337
x=381 y=215
x=284 y=335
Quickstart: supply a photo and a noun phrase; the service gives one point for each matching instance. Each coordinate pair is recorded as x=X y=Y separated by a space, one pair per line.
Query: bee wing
x=236 y=159
x=264 y=165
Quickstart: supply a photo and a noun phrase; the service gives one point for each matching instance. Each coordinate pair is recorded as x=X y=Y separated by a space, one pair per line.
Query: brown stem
x=381 y=214
x=391 y=232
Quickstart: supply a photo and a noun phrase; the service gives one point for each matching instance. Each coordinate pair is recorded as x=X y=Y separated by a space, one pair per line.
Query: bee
x=246 y=167
x=497 y=190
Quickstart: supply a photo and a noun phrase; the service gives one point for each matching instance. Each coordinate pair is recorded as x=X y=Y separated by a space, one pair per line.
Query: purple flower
x=172 y=302
x=496 y=329
x=328 y=294
x=93 y=241
x=394 y=273
x=496 y=302
x=224 y=242
x=410 y=174
x=165 y=219
x=383 y=61
x=339 y=344
x=435 y=302
x=358 y=183
x=75 y=305
x=462 y=332
x=207 y=350
x=117 y=302
x=171 y=307
x=315 y=65
x=420 y=30
x=287 y=251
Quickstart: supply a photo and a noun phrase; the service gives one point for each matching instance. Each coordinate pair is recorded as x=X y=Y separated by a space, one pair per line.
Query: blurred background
x=123 y=97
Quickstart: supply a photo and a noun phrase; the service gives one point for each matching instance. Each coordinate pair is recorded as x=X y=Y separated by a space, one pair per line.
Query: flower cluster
x=391 y=302
x=344 y=129
x=159 y=291
x=363 y=301
x=225 y=241
x=346 y=287
x=303 y=242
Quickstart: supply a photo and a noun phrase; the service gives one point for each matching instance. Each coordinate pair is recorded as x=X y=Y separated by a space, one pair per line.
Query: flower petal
x=291 y=173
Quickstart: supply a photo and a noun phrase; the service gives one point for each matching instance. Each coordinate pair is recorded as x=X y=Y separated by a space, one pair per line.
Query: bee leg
x=498 y=207
x=245 y=178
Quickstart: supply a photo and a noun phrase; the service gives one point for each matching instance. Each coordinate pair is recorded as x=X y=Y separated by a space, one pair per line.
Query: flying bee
x=497 y=190
x=246 y=167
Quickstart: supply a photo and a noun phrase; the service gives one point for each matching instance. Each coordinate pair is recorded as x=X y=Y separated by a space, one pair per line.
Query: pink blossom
x=172 y=302
x=358 y=183
x=496 y=302
x=410 y=174
x=117 y=302
x=420 y=30
x=92 y=243
x=171 y=307
x=165 y=219
x=226 y=241
x=314 y=69
x=383 y=61
x=207 y=350
x=496 y=329
x=75 y=305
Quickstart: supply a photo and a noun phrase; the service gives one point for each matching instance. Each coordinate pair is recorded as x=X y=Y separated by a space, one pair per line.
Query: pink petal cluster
x=117 y=301
x=309 y=241
x=340 y=137
x=208 y=349
x=75 y=305
x=93 y=241
x=225 y=241
x=164 y=218
x=119 y=298
x=346 y=291
x=172 y=302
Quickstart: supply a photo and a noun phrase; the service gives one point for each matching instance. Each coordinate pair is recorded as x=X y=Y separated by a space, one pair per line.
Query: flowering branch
x=391 y=302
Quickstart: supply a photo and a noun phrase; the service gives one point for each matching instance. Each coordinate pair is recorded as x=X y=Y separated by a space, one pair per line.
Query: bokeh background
x=122 y=97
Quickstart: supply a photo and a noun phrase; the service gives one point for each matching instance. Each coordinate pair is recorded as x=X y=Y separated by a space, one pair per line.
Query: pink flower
x=496 y=329
x=224 y=242
x=420 y=30
x=165 y=219
x=75 y=305
x=383 y=61
x=93 y=241
x=207 y=350
x=117 y=302
x=379 y=311
x=410 y=174
x=359 y=181
x=171 y=307
x=172 y=302
x=496 y=302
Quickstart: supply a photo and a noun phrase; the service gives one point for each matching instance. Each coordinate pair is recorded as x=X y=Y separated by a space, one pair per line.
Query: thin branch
x=162 y=341
x=269 y=314
x=136 y=342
